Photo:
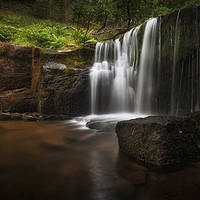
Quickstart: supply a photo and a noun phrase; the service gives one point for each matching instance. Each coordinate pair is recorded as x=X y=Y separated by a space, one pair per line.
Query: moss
x=78 y=64
x=40 y=105
x=70 y=71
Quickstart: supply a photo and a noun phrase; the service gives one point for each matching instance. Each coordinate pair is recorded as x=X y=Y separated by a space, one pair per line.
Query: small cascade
x=148 y=61
x=174 y=91
x=112 y=80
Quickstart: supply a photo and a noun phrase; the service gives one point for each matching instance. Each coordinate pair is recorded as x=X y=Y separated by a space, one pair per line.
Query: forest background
x=63 y=24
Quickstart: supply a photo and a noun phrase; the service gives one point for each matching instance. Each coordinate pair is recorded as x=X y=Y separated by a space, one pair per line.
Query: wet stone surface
x=159 y=141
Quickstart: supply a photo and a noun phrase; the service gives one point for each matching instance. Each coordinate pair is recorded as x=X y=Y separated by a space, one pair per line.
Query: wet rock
x=5 y=116
x=196 y=116
x=64 y=91
x=159 y=141
x=16 y=65
x=16 y=116
x=101 y=125
x=20 y=100
x=52 y=117
x=95 y=125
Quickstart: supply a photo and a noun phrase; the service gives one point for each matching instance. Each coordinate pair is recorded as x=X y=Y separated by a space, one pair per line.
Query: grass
x=27 y=30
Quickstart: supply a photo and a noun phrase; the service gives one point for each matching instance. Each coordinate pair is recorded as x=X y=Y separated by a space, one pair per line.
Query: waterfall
x=146 y=86
x=112 y=79
x=174 y=102
x=157 y=74
x=120 y=83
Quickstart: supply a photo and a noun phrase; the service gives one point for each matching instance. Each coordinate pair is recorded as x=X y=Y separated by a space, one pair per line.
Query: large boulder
x=159 y=141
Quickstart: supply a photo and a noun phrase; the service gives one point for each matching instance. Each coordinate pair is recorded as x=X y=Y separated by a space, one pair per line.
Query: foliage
x=45 y=33
x=7 y=33
x=87 y=16
x=80 y=35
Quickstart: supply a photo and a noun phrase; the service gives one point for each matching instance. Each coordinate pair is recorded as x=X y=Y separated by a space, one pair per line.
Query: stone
x=5 y=116
x=64 y=84
x=16 y=65
x=20 y=100
x=159 y=141
x=196 y=116
x=46 y=81
x=101 y=126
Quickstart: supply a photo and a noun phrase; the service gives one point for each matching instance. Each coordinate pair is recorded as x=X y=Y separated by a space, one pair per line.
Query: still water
x=64 y=161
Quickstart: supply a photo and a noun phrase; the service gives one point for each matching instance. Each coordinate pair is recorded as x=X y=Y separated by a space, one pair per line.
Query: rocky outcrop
x=64 y=91
x=45 y=81
x=64 y=87
x=16 y=71
x=19 y=100
x=159 y=141
x=16 y=66
x=176 y=74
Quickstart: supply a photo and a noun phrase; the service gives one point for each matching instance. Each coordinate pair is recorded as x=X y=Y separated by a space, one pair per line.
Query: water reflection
x=52 y=160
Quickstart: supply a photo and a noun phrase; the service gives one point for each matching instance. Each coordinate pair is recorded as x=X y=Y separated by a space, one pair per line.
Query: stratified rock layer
x=45 y=81
x=159 y=141
x=64 y=84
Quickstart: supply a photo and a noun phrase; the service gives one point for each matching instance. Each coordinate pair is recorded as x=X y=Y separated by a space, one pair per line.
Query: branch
x=113 y=38
x=12 y=28
x=68 y=27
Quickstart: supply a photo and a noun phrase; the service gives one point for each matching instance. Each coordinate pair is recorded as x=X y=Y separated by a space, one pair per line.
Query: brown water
x=51 y=161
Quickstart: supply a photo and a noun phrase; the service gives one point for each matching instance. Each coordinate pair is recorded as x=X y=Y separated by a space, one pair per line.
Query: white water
x=174 y=108
x=81 y=122
x=145 y=86
x=122 y=84
x=112 y=81
x=127 y=77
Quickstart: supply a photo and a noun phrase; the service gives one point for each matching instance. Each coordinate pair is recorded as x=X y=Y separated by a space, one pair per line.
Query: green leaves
x=7 y=33
x=41 y=33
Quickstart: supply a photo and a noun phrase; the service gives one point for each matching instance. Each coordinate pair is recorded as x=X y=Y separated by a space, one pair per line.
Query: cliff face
x=17 y=64
x=179 y=79
x=64 y=87
x=32 y=81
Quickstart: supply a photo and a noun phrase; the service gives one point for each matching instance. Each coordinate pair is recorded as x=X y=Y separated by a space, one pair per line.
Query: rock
x=63 y=84
x=5 y=116
x=16 y=65
x=16 y=116
x=95 y=125
x=20 y=100
x=159 y=141
x=101 y=125
x=29 y=118
x=59 y=80
x=196 y=116
x=52 y=117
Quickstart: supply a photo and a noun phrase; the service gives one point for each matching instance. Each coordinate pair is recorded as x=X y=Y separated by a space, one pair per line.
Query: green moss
x=78 y=64
x=70 y=71
x=40 y=105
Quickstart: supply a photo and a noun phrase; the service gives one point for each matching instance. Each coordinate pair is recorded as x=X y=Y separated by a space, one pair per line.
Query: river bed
x=63 y=161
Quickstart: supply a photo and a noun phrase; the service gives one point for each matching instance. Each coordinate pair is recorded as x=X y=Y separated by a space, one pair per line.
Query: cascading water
x=112 y=79
x=174 y=102
x=146 y=85
x=157 y=75
x=122 y=84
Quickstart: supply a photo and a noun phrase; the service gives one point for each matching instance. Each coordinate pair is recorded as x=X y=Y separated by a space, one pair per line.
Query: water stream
x=122 y=83
x=129 y=74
